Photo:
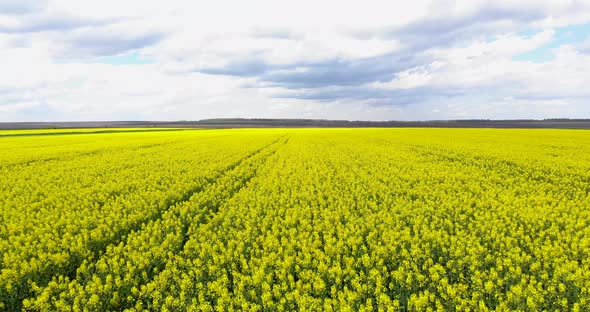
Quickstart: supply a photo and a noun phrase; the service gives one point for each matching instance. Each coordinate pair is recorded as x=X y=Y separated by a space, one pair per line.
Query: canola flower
x=298 y=219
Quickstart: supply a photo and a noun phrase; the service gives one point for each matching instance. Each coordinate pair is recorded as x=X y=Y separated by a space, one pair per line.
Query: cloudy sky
x=357 y=60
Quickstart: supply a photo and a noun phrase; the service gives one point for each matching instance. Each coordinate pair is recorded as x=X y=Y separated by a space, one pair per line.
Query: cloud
x=338 y=72
x=241 y=68
x=70 y=33
x=107 y=44
x=482 y=70
x=317 y=74
x=21 y=6
x=48 y=22
x=278 y=33
x=331 y=59
x=585 y=46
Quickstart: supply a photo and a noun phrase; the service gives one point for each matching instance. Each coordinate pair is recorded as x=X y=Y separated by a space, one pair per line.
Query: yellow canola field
x=296 y=219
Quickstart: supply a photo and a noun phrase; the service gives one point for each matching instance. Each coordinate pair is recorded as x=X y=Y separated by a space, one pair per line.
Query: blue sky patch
x=132 y=58
x=573 y=34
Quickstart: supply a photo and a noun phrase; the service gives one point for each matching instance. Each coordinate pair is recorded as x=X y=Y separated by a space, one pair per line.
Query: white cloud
x=306 y=59
x=409 y=79
x=489 y=67
x=585 y=46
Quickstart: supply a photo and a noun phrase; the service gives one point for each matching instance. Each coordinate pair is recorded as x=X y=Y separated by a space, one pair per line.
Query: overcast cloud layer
x=365 y=60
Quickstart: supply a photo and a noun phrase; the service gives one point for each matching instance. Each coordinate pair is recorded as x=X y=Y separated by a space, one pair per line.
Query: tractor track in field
x=212 y=210
x=22 y=290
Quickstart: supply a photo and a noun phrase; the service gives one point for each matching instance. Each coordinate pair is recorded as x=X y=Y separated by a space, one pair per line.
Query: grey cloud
x=377 y=97
x=99 y=43
x=343 y=72
x=584 y=47
x=32 y=24
x=81 y=36
x=417 y=38
x=548 y=96
x=334 y=72
x=347 y=79
x=429 y=94
x=335 y=79
x=244 y=68
x=438 y=26
x=440 y=32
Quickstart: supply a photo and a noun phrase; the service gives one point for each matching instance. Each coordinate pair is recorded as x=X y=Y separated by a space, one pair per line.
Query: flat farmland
x=402 y=219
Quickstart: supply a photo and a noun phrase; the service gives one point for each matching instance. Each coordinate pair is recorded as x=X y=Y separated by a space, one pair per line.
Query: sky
x=76 y=60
